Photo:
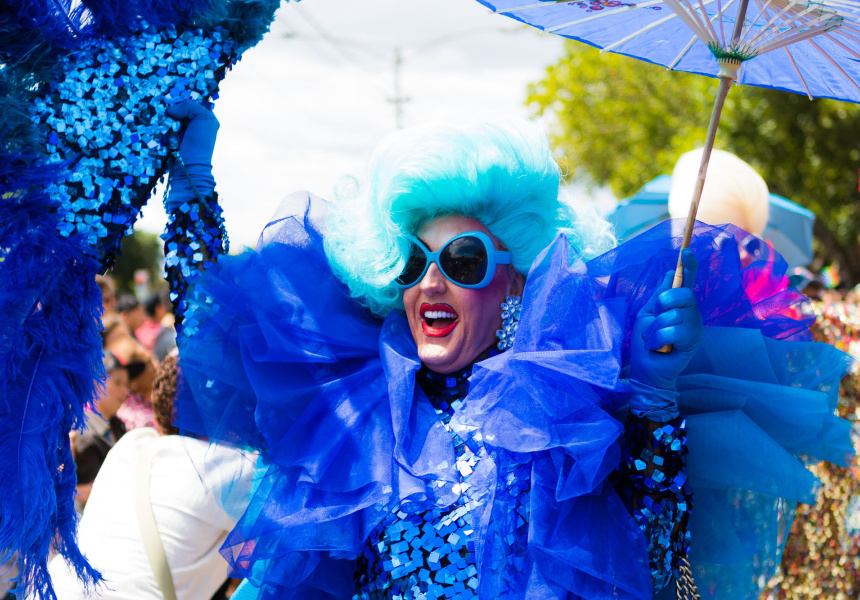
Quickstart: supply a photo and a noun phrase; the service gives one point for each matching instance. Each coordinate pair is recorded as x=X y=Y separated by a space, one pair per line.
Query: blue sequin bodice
x=416 y=553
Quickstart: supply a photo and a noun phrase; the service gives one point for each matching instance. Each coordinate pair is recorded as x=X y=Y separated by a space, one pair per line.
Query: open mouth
x=438 y=320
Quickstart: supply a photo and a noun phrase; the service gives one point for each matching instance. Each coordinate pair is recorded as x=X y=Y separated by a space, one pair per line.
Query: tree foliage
x=140 y=250
x=621 y=122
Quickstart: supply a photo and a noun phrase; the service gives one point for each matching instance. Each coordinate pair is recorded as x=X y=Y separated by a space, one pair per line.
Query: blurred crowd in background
x=136 y=338
x=129 y=438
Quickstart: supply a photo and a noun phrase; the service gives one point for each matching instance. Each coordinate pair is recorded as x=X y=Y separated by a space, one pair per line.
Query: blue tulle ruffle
x=277 y=357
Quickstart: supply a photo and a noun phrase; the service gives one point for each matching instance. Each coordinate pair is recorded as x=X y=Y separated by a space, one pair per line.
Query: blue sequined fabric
x=194 y=238
x=84 y=90
x=416 y=553
x=105 y=121
x=652 y=481
x=427 y=554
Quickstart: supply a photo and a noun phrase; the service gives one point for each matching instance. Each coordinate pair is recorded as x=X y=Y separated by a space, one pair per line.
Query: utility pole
x=398 y=100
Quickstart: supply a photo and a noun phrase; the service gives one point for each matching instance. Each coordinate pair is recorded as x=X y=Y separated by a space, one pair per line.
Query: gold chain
x=684 y=582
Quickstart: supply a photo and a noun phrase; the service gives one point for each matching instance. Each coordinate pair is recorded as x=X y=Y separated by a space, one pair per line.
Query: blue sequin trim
x=194 y=238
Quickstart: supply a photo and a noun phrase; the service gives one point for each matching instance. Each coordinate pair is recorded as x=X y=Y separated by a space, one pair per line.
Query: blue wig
x=501 y=173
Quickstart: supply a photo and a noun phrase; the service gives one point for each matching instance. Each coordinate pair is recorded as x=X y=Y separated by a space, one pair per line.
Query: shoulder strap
x=146 y=521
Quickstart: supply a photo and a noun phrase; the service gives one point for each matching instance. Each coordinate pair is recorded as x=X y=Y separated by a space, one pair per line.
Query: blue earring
x=511 y=309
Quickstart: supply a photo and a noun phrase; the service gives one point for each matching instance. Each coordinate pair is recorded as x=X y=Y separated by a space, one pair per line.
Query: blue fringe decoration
x=50 y=306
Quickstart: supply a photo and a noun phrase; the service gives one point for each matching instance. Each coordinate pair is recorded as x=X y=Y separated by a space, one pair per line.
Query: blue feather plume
x=50 y=305
x=50 y=365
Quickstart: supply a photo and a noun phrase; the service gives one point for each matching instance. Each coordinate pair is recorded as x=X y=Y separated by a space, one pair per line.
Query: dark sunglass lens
x=414 y=266
x=465 y=260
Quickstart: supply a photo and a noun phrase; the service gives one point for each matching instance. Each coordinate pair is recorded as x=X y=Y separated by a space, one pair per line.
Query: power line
x=450 y=37
x=339 y=45
x=369 y=47
x=372 y=47
x=342 y=45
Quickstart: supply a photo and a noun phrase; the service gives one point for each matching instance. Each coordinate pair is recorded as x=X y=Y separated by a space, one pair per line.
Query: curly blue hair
x=501 y=173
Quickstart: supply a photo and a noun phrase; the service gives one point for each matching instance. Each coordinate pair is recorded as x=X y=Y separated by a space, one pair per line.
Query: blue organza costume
x=356 y=460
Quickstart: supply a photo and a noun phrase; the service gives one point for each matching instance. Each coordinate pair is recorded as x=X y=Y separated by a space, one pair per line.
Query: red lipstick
x=438 y=320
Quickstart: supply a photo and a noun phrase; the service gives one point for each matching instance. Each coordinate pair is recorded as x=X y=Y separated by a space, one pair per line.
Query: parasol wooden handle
x=678 y=280
x=727 y=75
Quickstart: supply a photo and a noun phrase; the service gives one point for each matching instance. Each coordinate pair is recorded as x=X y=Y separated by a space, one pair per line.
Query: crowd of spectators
x=126 y=400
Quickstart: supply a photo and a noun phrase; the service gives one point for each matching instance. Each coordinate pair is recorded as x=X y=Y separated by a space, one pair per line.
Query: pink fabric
x=136 y=412
x=147 y=333
x=759 y=280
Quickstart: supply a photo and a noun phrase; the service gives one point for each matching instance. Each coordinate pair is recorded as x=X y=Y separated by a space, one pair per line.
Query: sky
x=307 y=105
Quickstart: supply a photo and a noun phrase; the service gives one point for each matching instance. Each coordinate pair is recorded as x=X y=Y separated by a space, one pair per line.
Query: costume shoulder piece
x=83 y=90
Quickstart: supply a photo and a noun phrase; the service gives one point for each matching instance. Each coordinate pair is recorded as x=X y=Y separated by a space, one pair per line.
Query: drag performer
x=554 y=469
x=453 y=386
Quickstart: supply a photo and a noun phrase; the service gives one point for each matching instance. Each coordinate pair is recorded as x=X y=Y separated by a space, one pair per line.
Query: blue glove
x=671 y=316
x=196 y=149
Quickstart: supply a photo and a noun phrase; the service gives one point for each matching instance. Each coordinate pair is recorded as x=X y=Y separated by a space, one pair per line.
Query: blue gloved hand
x=198 y=143
x=671 y=316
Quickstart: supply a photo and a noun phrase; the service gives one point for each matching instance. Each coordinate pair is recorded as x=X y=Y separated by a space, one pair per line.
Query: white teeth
x=438 y=314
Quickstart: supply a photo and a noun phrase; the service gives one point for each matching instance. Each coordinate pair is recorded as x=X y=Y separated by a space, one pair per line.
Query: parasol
x=800 y=46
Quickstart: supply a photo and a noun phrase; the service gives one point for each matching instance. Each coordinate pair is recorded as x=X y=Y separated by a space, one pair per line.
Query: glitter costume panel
x=105 y=122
